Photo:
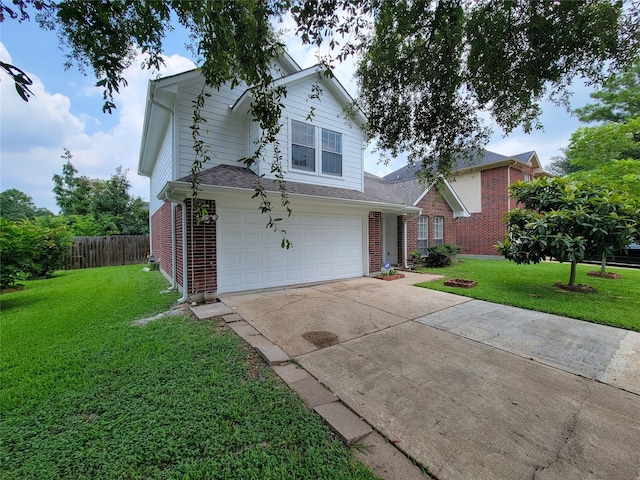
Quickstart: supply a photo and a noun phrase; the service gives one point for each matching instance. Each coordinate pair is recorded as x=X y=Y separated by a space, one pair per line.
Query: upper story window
x=331 y=152
x=303 y=146
x=313 y=146
x=438 y=230
x=423 y=235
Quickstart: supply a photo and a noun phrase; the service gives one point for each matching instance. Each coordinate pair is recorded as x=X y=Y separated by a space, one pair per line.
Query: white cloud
x=34 y=134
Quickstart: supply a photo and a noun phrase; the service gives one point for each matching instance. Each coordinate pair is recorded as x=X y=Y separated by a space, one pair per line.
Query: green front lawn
x=616 y=303
x=84 y=394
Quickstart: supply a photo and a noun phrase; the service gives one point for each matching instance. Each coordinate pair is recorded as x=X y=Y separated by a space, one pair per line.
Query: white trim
x=317 y=141
x=331 y=82
x=435 y=229
x=183 y=190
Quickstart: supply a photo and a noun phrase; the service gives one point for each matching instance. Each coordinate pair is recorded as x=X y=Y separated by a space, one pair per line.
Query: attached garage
x=249 y=256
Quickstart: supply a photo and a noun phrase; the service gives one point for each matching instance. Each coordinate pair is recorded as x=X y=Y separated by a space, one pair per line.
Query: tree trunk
x=603 y=263
x=572 y=277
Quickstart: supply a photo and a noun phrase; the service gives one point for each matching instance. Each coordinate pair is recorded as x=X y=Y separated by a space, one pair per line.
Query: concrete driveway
x=469 y=389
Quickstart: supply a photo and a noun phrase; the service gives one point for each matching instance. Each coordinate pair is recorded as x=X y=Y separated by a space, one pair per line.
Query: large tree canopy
x=568 y=220
x=17 y=205
x=617 y=100
x=99 y=207
x=592 y=147
x=427 y=68
x=610 y=151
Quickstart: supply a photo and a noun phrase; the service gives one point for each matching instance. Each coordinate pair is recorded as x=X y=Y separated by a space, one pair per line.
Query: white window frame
x=333 y=146
x=438 y=230
x=319 y=148
x=423 y=235
x=314 y=146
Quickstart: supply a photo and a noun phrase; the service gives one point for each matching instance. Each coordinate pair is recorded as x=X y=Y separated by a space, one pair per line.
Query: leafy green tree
x=108 y=202
x=617 y=101
x=73 y=194
x=17 y=205
x=34 y=248
x=567 y=220
x=592 y=147
x=49 y=247
x=15 y=252
x=621 y=175
x=427 y=66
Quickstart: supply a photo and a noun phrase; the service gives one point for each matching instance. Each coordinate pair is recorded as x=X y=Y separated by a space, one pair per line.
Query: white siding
x=224 y=132
x=232 y=135
x=162 y=171
x=468 y=188
x=328 y=113
x=253 y=139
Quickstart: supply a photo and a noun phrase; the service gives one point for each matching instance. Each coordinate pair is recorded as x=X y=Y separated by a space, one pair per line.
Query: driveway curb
x=379 y=455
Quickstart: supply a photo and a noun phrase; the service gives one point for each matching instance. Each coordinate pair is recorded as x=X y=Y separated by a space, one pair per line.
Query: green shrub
x=31 y=248
x=49 y=248
x=440 y=255
x=15 y=252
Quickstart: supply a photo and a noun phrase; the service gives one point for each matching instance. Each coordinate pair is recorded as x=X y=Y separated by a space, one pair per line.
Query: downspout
x=168 y=198
x=405 y=252
x=185 y=279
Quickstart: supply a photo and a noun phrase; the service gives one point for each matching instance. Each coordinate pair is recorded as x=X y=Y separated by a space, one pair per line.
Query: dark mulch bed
x=580 y=288
x=605 y=275
x=461 y=283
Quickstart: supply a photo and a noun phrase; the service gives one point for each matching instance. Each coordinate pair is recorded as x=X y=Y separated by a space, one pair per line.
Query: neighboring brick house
x=436 y=223
x=345 y=223
x=482 y=186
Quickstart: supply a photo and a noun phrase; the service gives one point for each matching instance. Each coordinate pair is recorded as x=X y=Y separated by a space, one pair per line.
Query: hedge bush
x=31 y=249
x=440 y=255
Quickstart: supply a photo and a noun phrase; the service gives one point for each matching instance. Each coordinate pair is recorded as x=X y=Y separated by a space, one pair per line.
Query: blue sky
x=66 y=112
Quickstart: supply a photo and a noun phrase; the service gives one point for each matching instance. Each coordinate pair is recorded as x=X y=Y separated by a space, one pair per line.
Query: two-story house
x=345 y=223
x=481 y=183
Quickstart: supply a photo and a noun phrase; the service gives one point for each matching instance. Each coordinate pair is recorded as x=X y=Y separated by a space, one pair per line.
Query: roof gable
x=308 y=74
x=486 y=160
x=411 y=192
x=161 y=95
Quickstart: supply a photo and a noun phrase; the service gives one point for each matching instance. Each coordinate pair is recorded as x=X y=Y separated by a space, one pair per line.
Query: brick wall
x=479 y=233
x=375 y=241
x=161 y=238
x=433 y=205
x=401 y=248
x=201 y=255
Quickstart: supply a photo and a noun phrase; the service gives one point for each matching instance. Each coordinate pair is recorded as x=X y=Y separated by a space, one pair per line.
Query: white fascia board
x=331 y=82
x=425 y=191
x=182 y=190
x=156 y=121
x=452 y=199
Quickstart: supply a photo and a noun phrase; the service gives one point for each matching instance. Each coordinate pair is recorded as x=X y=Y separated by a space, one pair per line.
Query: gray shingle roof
x=486 y=159
x=240 y=177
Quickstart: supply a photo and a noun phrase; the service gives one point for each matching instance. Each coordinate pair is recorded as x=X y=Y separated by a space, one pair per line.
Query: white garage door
x=325 y=247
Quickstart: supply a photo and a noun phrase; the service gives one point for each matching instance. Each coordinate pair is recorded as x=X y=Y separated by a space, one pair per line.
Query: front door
x=390 y=238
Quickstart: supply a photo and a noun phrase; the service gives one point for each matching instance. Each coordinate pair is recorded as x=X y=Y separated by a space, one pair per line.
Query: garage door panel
x=253 y=239
x=325 y=247
x=229 y=238
x=229 y=217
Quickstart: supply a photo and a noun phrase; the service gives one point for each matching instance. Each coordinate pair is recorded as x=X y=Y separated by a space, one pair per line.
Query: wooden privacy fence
x=111 y=251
